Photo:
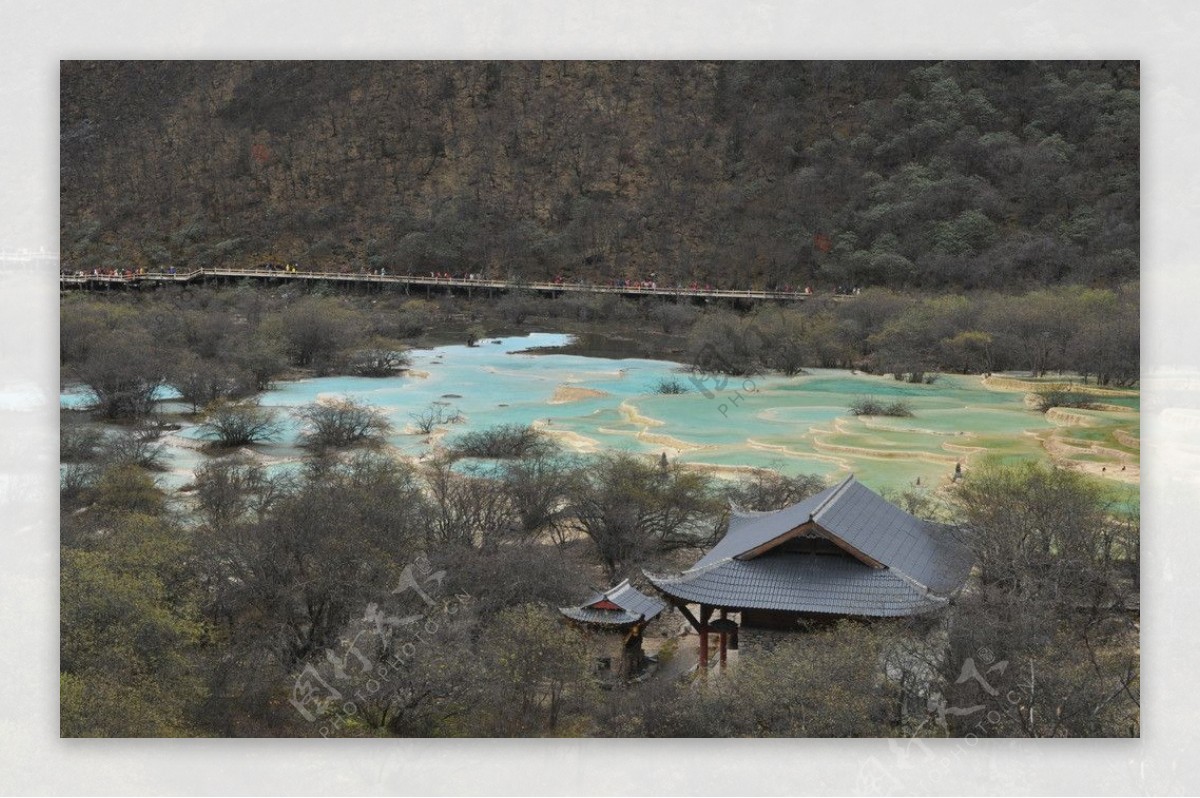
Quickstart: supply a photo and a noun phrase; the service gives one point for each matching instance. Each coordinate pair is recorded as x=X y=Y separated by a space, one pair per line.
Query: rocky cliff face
x=730 y=173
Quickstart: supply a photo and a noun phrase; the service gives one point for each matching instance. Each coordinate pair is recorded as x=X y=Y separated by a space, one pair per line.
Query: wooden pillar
x=724 y=637
x=705 y=614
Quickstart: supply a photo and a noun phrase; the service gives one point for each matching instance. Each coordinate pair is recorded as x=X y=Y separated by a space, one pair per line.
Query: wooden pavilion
x=845 y=552
x=623 y=609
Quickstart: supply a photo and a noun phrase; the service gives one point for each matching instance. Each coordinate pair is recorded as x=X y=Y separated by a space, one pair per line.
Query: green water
x=792 y=424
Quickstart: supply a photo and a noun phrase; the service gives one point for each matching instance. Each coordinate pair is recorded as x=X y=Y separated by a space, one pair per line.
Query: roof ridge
x=837 y=492
x=925 y=590
x=688 y=574
x=737 y=509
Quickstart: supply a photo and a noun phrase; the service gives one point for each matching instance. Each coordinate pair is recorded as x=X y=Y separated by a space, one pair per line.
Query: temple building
x=845 y=552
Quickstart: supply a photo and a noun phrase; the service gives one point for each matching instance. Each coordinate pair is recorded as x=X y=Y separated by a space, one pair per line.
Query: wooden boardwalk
x=88 y=281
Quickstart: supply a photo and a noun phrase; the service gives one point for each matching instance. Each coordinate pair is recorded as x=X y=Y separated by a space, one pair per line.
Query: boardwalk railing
x=85 y=280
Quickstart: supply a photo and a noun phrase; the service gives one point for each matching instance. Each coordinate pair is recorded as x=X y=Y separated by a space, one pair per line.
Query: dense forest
x=1004 y=175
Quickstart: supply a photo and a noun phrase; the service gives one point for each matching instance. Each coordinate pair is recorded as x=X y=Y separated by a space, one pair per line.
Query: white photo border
x=35 y=36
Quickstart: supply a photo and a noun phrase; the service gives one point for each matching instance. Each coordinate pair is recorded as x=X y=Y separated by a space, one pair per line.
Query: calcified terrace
x=792 y=424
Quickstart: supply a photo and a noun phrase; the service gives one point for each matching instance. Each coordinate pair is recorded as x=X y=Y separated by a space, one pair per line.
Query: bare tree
x=230 y=491
x=1061 y=655
x=240 y=423
x=466 y=509
x=78 y=442
x=381 y=357
x=770 y=490
x=139 y=447
x=632 y=509
x=503 y=441
x=1045 y=533
x=538 y=488
x=125 y=370
x=289 y=582
x=316 y=330
x=341 y=423
x=538 y=670
x=203 y=381
x=434 y=416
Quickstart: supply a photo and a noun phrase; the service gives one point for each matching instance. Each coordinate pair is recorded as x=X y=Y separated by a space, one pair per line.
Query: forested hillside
x=1002 y=175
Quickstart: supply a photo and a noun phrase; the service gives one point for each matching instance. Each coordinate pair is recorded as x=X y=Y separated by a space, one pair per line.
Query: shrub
x=78 y=443
x=381 y=357
x=502 y=441
x=75 y=480
x=341 y=423
x=138 y=448
x=240 y=423
x=723 y=344
x=670 y=385
x=516 y=306
x=1063 y=396
x=674 y=318
x=202 y=381
x=475 y=333
x=870 y=406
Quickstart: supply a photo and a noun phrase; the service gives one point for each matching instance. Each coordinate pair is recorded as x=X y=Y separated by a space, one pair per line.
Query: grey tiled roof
x=920 y=550
x=922 y=564
x=801 y=583
x=634 y=605
x=750 y=530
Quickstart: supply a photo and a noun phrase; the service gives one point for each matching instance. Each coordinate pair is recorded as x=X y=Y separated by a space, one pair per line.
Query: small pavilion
x=623 y=609
x=845 y=552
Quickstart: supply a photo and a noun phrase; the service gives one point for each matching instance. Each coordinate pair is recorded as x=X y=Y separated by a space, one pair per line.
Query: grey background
x=34 y=36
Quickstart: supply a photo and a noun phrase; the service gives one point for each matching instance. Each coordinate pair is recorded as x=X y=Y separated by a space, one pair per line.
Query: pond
x=794 y=425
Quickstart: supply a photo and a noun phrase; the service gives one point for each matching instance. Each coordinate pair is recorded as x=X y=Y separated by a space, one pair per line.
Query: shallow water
x=793 y=424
